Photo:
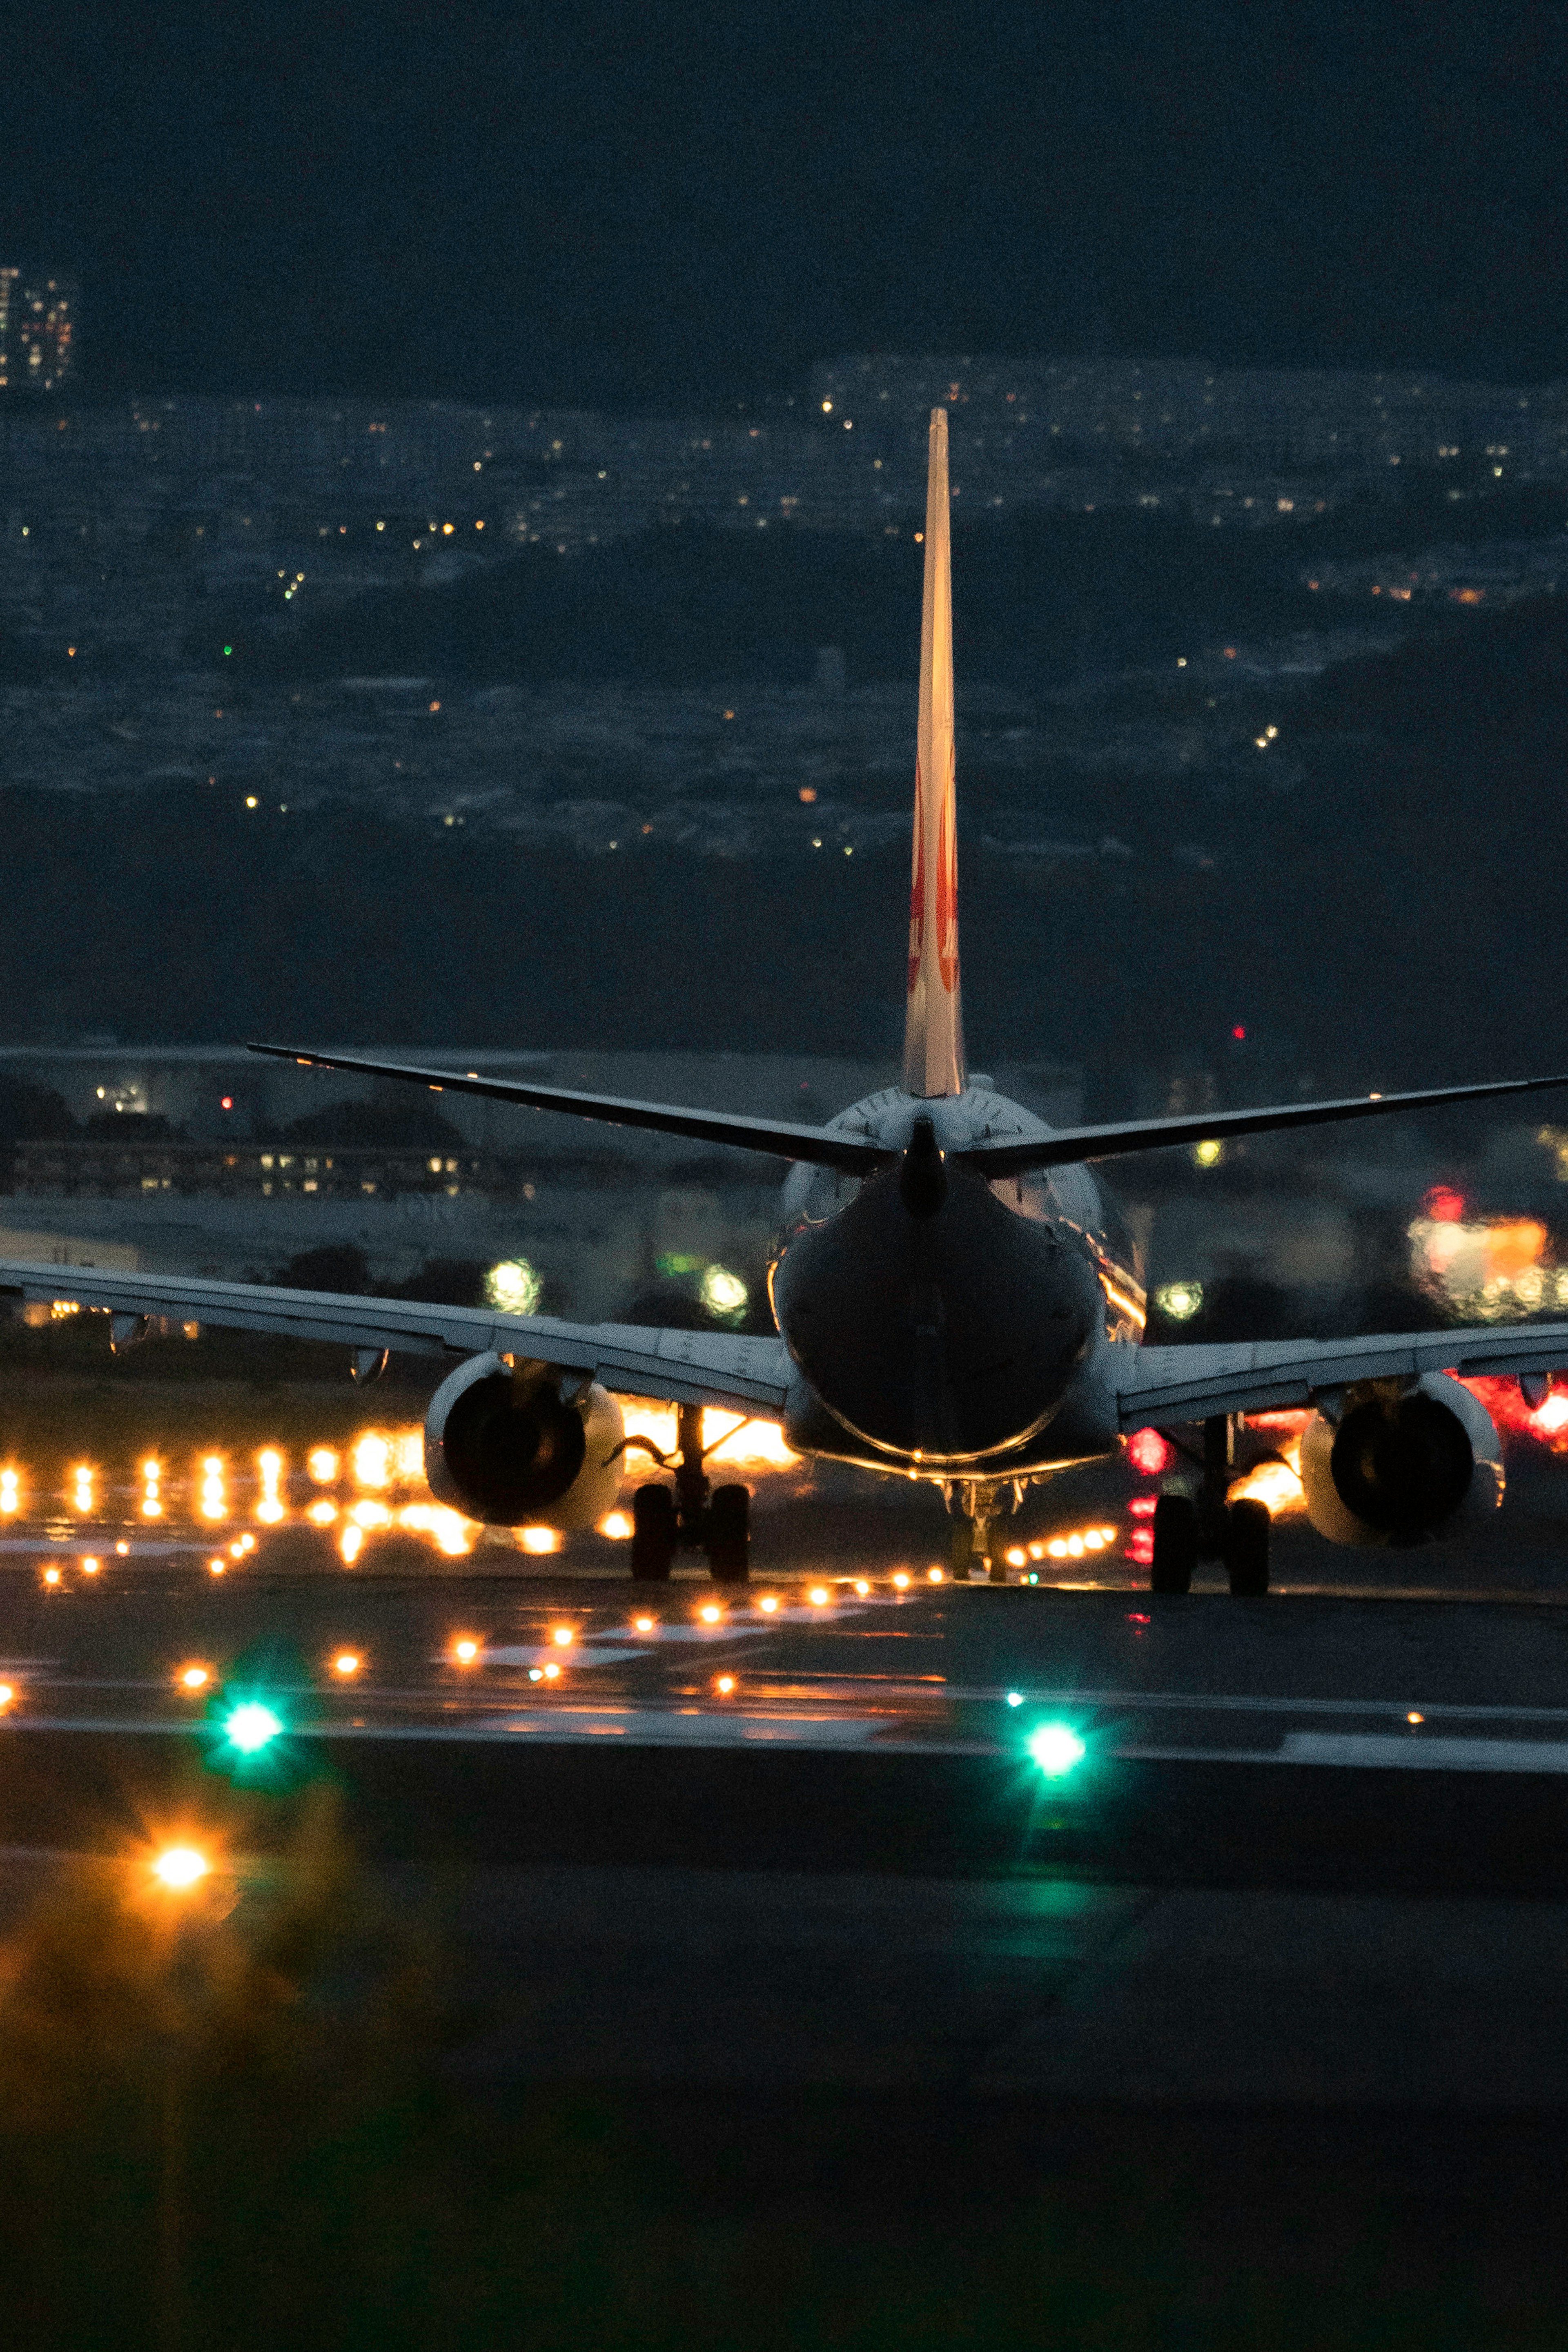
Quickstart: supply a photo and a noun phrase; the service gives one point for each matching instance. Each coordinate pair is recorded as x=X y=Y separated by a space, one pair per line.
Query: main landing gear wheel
x=1176 y=1544
x=654 y=1534
x=1245 y=1549
x=961 y=1557
x=726 y=1535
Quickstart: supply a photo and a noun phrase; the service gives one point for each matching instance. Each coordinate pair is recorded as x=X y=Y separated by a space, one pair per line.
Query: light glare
x=1056 y=1748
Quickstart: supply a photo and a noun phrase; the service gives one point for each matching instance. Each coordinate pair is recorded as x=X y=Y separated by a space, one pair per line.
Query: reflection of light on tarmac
x=449 y=1528
x=348 y=1545
x=1276 y=1483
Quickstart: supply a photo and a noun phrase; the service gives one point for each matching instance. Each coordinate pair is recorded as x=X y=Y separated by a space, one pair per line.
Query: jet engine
x=530 y=1445
x=1401 y=1468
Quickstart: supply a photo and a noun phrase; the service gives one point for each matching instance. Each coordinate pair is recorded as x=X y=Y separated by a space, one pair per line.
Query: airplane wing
x=732 y=1370
x=1155 y=1384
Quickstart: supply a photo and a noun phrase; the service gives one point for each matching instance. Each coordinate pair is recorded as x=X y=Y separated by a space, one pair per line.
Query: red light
x=227 y=1103
x=1444 y=1206
x=1134 y=1617
x=1147 y=1452
x=1239 y=1031
x=1142 y=1506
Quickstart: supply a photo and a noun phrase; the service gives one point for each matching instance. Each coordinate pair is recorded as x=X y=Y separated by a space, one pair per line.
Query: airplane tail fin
x=933 y=1027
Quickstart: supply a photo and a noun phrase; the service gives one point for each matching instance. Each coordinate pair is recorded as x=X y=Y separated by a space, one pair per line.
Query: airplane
x=951 y=1298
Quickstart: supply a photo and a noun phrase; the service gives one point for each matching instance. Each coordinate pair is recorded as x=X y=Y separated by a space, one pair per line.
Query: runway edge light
x=1056 y=1747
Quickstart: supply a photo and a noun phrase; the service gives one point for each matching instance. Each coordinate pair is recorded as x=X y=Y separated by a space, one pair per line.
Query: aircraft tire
x=961 y=1557
x=1245 y=1549
x=726 y=1537
x=654 y=1534
x=1176 y=1544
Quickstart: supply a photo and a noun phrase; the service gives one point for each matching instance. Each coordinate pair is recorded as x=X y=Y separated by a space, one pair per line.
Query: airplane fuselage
x=941 y=1325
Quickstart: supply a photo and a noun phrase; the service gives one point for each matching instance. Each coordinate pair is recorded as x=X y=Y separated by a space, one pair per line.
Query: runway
x=1314 y=1848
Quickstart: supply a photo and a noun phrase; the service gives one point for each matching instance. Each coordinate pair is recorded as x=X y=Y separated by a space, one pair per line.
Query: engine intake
x=506 y=1447
x=1401 y=1469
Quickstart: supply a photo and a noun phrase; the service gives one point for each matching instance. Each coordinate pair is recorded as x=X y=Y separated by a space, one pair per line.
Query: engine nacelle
x=1402 y=1470
x=506 y=1447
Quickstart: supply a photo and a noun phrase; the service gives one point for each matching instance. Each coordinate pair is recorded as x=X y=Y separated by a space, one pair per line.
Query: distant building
x=37 y=321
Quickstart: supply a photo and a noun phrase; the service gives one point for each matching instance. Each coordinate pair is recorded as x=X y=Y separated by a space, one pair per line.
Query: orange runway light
x=181 y=1867
x=215 y=1567
x=6 y=1694
x=710 y=1613
x=562 y=1636
x=642 y=1624
x=122 y=1549
x=552 y=1673
x=901 y=1581
x=466 y=1649
x=861 y=1587
x=346 y=1662
x=89 y=1566
x=51 y=1576
x=767 y=1604
x=724 y=1685
x=818 y=1596
x=192 y=1678
x=933 y=1575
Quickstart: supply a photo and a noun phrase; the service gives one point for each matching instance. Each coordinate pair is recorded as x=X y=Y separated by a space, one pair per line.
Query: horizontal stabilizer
x=1069 y=1143
x=821 y=1146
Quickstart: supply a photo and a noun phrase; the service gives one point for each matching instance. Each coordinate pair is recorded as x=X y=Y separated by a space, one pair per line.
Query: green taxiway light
x=228 y=649
x=250 y=1726
x=1056 y=1748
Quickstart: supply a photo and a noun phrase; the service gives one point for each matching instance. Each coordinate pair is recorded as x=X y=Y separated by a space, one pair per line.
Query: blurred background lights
x=250 y=1726
x=466 y=1649
x=767 y=1604
x=179 y=1866
x=723 y=1293
x=346 y=1662
x=710 y=1613
x=322 y=1465
x=1056 y=1748
x=562 y=1636
x=512 y=1286
x=1179 y=1301
x=194 y=1679
x=818 y=1596
x=617 y=1526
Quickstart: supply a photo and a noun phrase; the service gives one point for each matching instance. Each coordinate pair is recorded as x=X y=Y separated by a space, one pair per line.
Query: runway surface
x=836 y=1831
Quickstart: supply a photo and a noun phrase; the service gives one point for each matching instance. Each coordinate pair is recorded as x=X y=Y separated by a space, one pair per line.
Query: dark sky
x=623 y=200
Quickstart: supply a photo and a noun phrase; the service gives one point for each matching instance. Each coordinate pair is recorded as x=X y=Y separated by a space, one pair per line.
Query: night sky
x=629 y=203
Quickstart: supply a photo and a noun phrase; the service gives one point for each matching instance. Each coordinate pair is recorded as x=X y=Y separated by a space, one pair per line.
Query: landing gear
x=977 y=1504
x=717 y=1523
x=1176 y=1544
x=726 y=1535
x=1212 y=1529
x=654 y=1534
x=1245 y=1551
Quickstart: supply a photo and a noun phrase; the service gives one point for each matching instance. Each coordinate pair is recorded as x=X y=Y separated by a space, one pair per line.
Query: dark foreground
x=611 y=2005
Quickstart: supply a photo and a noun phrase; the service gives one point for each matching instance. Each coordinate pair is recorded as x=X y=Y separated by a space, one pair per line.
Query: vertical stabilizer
x=934 y=1028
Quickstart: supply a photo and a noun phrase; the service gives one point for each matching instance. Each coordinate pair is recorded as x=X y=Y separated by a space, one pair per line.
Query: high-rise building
x=38 y=319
